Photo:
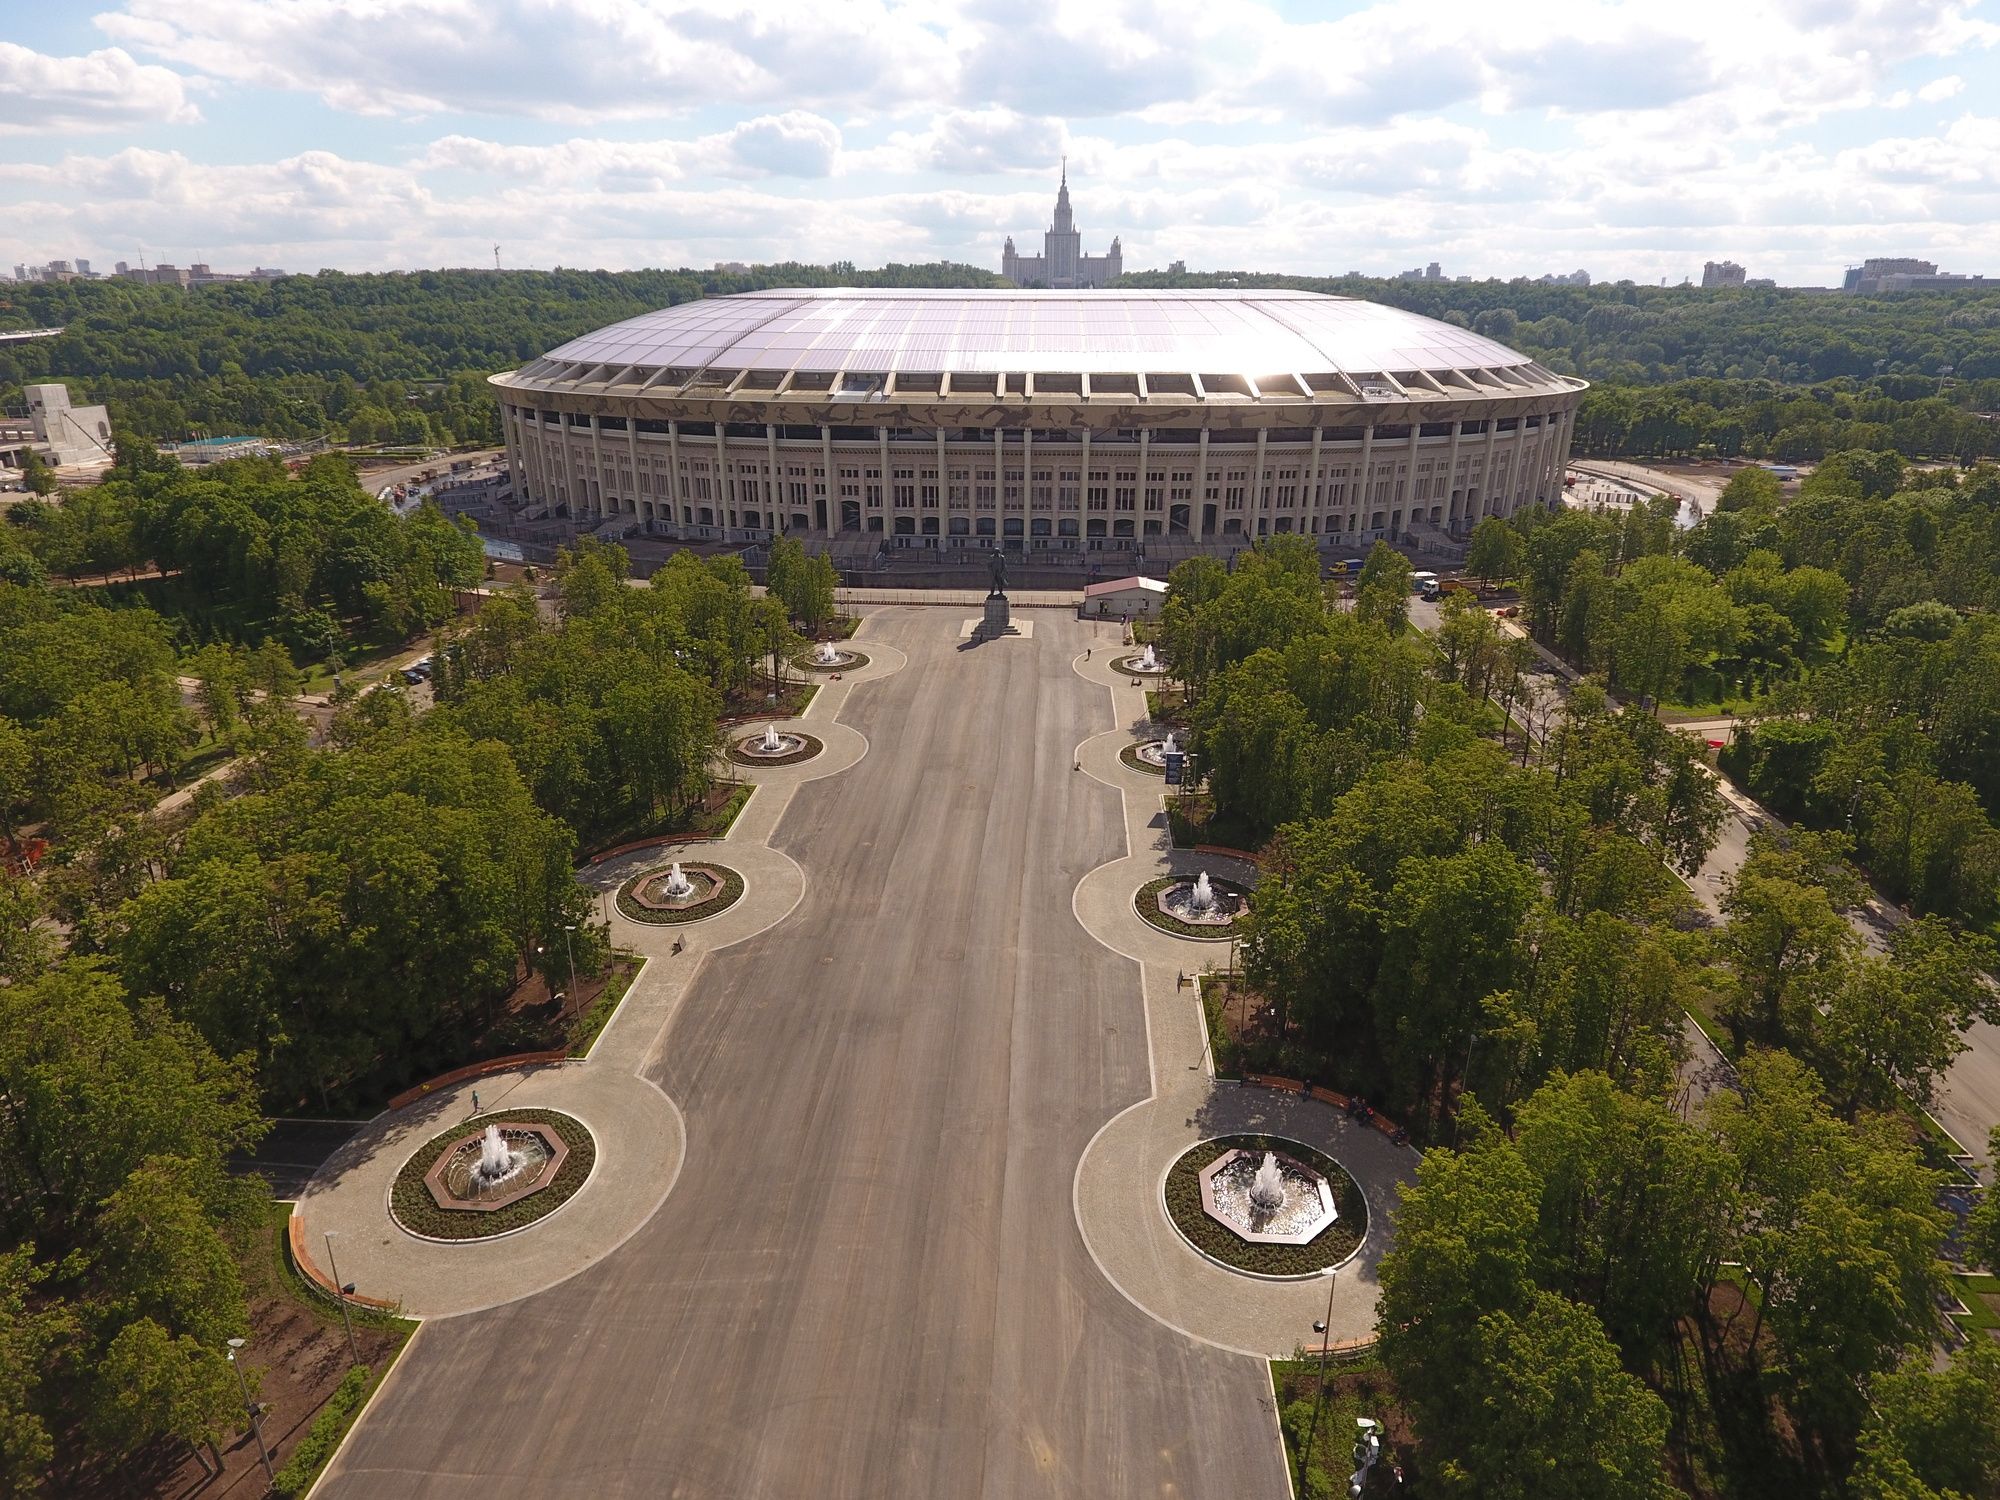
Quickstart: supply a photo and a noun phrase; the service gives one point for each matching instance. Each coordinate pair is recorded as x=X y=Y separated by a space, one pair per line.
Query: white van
x=1424 y=583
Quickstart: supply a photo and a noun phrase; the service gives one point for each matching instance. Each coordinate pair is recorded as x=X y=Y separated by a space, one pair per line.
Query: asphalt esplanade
x=868 y=1278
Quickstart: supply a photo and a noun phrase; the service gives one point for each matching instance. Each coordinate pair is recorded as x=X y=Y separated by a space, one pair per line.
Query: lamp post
x=341 y=1290
x=250 y=1408
x=1325 y=1332
x=570 y=950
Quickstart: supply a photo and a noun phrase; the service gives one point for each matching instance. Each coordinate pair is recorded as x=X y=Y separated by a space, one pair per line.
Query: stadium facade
x=1166 y=422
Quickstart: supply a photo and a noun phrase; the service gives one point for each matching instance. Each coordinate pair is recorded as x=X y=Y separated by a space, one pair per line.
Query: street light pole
x=571 y=951
x=250 y=1407
x=340 y=1291
x=1319 y=1398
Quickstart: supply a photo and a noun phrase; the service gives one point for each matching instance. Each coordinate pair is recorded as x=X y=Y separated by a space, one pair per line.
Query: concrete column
x=1488 y=470
x=1408 y=498
x=676 y=492
x=1451 y=506
x=1315 y=502
x=999 y=483
x=1198 y=519
x=1365 y=478
x=632 y=453
x=1083 y=501
x=774 y=495
x=944 y=496
x=832 y=528
x=604 y=507
x=1139 y=499
x=888 y=487
x=1254 y=511
x=1027 y=490
x=511 y=437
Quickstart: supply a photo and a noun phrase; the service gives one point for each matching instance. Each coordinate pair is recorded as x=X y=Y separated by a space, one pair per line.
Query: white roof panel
x=882 y=330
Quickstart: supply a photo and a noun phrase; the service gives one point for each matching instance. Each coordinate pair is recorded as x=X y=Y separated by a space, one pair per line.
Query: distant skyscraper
x=1721 y=273
x=1062 y=263
x=82 y=266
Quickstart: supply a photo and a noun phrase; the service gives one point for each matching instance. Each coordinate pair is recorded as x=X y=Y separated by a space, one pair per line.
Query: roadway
x=868 y=1279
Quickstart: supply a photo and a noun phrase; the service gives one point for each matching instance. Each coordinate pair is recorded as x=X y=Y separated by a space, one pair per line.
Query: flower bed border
x=1339 y=1242
x=1127 y=665
x=805 y=663
x=414 y=1212
x=807 y=751
x=1145 y=901
x=1129 y=754
x=721 y=901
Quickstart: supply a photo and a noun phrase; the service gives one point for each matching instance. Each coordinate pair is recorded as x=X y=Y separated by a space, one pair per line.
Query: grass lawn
x=1981 y=1295
x=593 y=1021
x=711 y=820
x=1191 y=819
x=1325 y=1431
x=1166 y=705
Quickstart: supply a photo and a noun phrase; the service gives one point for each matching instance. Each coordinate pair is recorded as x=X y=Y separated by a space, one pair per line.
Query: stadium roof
x=1248 y=343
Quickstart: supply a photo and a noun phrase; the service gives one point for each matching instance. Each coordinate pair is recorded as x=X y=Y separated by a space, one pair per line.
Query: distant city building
x=1428 y=273
x=83 y=267
x=1904 y=274
x=55 y=270
x=166 y=273
x=1062 y=265
x=1575 y=278
x=1177 y=268
x=1721 y=273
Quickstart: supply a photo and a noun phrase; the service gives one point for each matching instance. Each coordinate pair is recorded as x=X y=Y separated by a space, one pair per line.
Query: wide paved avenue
x=868 y=1280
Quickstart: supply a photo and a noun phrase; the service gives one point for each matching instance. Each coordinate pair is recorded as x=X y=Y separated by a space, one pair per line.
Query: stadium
x=1164 y=423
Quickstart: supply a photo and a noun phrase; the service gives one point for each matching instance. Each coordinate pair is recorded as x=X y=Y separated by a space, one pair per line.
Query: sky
x=1497 y=137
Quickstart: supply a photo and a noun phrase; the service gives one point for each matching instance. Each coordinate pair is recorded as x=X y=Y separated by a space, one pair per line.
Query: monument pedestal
x=997 y=620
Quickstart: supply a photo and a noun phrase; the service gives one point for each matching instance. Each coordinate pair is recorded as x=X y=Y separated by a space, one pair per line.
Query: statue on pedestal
x=996 y=564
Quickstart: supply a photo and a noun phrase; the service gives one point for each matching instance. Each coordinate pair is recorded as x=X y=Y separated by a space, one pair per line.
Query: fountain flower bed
x=830 y=657
x=1192 y=1214
x=772 y=746
x=1172 y=903
x=1151 y=755
x=667 y=894
x=555 y=1155
x=1144 y=663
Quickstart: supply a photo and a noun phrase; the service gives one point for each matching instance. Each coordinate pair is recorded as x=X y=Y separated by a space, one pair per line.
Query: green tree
x=1933 y=1433
x=1382 y=595
x=1495 y=550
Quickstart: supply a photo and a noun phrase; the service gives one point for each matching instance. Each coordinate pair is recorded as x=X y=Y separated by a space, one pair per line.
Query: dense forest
x=402 y=357
x=1602 y=1284
x=393 y=357
x=318 y=924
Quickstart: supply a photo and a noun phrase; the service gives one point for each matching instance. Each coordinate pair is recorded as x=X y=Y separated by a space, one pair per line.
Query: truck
x=1424 y=582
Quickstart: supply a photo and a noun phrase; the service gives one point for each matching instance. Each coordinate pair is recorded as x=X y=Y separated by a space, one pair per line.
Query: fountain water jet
x=678 y=884
x=1267 y=1189
x=1149 y=660
x=1202 y=896
x=496 y=1160
x=1168 y=747
x=826 y=653
x=772 y=744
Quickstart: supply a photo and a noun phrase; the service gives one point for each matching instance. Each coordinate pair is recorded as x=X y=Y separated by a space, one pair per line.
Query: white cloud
x=104 y=90
x=1940 y=89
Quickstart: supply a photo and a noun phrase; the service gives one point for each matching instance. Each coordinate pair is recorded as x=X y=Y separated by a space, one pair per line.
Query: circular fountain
x=1267 y=1206
x=828 y=656
x=1204 y=907
x=492 y=1168
x=477 y=1181
x=774 y=747
x=677 y=892
x=1143 y=663
x=1151 y=755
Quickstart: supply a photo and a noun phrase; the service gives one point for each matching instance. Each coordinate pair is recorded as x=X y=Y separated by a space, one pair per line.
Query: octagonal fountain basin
x=1155 y=752
x=677 y=886
x=495 y=1166
x=773 y=744
x=1199 y=903
x=827 y=657
x=1267 y=1197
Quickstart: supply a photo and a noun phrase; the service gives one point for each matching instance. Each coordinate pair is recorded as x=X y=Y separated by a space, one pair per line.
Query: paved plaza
x=876 y=1211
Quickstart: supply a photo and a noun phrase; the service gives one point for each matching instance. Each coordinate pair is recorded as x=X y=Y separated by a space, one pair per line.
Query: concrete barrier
x=476 y=1070
x=295 y=1242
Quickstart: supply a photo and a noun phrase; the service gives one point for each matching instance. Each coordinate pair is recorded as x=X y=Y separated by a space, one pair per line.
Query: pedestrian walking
x=475 y=1101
